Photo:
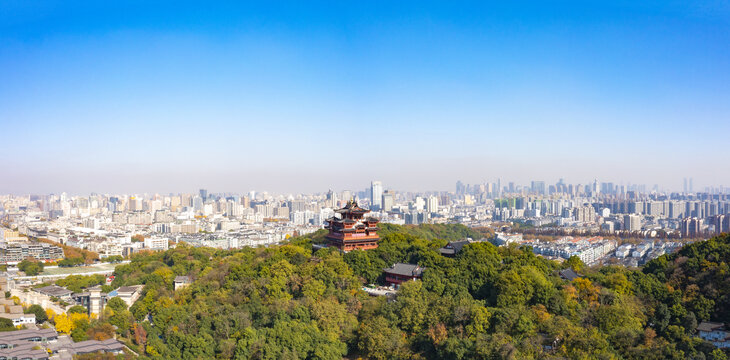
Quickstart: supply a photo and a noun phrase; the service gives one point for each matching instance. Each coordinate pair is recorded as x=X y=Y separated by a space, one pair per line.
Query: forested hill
x=448 y=232
x=697 y=277
x=286 y=302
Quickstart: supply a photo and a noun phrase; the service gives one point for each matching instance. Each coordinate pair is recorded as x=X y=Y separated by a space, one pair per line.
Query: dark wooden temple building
x=352 y=231
x=400 y=273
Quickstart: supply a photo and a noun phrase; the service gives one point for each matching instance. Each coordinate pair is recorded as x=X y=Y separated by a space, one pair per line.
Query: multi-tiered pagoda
x=351 y=231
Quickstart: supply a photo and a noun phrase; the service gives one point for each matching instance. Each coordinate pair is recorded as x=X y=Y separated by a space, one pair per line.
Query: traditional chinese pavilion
x=351 y=231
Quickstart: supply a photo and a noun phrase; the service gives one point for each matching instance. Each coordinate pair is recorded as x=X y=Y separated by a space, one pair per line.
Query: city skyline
x=112 y=98
x=505 y=186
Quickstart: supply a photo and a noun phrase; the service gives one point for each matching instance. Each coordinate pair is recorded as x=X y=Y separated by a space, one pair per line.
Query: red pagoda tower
x=351 y=231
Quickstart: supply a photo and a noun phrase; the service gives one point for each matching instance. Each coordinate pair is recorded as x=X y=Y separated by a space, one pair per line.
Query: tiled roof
x=10 y=336
x=710 y=326
x=405 y=269
x=92 y=346
x=569 y=274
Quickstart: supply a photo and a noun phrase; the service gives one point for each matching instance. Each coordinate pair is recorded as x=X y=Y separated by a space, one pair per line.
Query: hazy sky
x=124 y=96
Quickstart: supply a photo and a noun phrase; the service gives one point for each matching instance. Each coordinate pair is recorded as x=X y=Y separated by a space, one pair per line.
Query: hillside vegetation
x=288 y=302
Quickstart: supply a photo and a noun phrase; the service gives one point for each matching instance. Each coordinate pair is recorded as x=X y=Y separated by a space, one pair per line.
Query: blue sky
x=304 y=96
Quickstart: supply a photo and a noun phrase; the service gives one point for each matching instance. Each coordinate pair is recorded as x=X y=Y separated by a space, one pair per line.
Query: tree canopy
x=290 y=302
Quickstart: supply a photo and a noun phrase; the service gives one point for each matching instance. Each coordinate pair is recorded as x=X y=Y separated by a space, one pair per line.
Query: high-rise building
x=722 y=223
x=135 y=204
x=676 y=209
x=432 y=204
x=388 y=200
x=632 y=222
x=690 y=227
x=331 y=199
x=537 y=187
x=376 y=195
x=197 y=203
x=584 y=214
x=204 y=194
x=460 y=188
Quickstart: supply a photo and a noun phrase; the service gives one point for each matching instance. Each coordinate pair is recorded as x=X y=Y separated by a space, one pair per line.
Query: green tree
x=116 y=304
x=77 y=309
x=30 y=267
x=362 y=265
x=39 y=312
x=574 y=263
x=6 y=324
x=380 y=340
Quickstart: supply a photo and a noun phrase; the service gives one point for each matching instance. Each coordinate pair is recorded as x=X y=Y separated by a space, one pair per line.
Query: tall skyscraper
x=198 y=203
x=135 y=204
x=691 y=227
x=388 y=200
x=331 y=199
x=538 y=187
x=204 y=194
x=376 y=195
x=460 y=188
x=432 y=204
x=632 y=222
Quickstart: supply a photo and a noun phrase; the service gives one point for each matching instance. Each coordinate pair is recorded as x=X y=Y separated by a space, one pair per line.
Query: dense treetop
x=290 y=302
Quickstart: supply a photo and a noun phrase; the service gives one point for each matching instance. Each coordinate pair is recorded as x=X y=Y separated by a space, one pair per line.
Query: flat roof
x=54 y=290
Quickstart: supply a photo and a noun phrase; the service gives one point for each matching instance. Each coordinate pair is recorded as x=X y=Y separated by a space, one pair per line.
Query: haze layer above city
x=302 y=97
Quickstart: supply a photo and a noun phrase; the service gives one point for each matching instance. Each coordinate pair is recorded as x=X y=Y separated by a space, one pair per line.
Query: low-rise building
x=568 y=274
x=716 y=333
x=13 y=253
x=501 y=239
x=181 y=282
x=55 y=291
x=399 y=273
x=129 y=294
x=454 y=247
x=22 y=344
x=66 y=348
x=20 y=318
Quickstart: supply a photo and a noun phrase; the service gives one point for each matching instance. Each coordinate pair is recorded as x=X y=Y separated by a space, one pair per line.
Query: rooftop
x=453 y=247
x=352 y=207
x=92 y=346
x=568 y=274
x=129 y=289
x=710 y=326
x=54 y=290
x=405 y=269
x=26 y=334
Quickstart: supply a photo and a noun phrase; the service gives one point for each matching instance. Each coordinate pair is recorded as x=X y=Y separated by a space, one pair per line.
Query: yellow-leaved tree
x=67 y=323
x=50 y=313
x=64 y=324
